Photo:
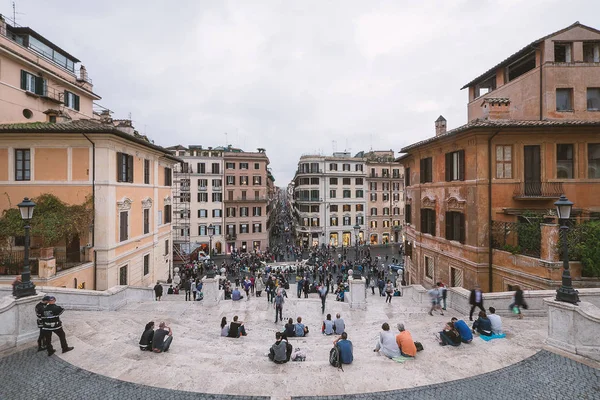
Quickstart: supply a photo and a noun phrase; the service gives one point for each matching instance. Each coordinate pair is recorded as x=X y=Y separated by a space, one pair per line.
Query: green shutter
x=448 y=225
x=129 y=168
x=76 y=105
x=462 y=228
x=23 y=80
x=39 y=85
x=461 y=165
x=119 y=166
x=448 y=167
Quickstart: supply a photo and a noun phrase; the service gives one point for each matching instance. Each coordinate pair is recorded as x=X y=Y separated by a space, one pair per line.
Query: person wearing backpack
x=344 y=349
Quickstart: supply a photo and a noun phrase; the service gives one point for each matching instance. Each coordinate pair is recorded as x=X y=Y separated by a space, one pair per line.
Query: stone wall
x=79 y=299
x=574 y=328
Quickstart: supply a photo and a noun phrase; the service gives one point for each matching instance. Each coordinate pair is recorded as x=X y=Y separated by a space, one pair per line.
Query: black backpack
x=334 y=357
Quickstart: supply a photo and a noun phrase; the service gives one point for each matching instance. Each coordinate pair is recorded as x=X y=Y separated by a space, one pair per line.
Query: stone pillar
x=549 y=242
x=210 y=290
x=357 y=297
x=46 y=267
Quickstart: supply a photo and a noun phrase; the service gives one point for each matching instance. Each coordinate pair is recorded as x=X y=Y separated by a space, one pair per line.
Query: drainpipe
x=541 y=87
x=490 y=253
x=93 y=204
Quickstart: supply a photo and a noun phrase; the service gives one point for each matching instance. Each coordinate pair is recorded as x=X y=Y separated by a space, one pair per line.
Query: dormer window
x=562 y=52
x=591 y=52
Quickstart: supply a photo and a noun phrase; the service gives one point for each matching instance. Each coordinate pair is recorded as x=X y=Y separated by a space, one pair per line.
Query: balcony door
x=532 y=171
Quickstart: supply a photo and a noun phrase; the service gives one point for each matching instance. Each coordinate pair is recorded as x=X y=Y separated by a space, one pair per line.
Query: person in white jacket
x=386 y=343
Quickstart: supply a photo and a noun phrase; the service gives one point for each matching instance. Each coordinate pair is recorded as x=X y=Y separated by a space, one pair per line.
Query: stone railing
x=17 y=316
x=92 y=300
x=574 y=328
x=458 y=299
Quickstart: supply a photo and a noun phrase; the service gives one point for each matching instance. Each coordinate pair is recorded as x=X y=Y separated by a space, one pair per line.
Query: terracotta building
x=385 y=191
x=247 y=196
x=479 y=198
x=51 y=141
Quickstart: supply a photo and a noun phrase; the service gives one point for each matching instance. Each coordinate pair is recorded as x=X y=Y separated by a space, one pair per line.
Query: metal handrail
x=538 y=190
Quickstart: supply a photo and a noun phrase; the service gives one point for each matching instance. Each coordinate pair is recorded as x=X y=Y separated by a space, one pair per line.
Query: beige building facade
x=51 y=141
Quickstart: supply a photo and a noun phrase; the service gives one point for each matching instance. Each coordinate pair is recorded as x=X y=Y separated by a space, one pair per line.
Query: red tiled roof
x=499 y=124
x=80 y=126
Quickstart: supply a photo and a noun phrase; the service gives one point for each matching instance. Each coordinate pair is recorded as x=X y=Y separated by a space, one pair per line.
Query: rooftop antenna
x=15 y=13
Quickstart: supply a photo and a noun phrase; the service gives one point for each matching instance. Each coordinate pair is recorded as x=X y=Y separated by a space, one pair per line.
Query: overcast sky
x=294 y=77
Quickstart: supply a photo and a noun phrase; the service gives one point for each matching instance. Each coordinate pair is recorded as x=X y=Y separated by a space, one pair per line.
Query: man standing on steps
x=187 y=286
x=39 y=311
x=51 y=323
x=323 y=294
x=158 y=291
x=476 y=300
x=279 y=305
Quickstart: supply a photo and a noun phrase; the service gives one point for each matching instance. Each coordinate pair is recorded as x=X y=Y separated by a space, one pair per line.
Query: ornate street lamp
x=566 y=292
x=26 y=287
x=356 y=272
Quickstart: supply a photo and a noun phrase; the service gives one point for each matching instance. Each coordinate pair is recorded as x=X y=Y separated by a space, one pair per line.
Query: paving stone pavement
x=28 y=375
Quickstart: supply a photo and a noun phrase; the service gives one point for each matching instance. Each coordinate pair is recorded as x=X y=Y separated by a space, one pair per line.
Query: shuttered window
x=168 y=214
x=123 y=226
x=426 y=170
x=146 y=264
x=428 y=221
x=408 y=213
x=71 y=100
x=124 y=168
x=455 y=226
x=147 y=172
x=168 y=177
x=146 y=220
x=455 y=166
x=22 y=164
x=32 y=83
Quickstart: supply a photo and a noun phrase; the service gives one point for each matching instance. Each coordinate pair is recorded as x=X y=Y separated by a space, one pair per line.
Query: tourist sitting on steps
x=345 y=346
x=405 y=342
x=236 y=295
x=224 y=327
x=162 y=339
x=327 y=328
x=281 y=350
x=386 y=343
x=236 y=328
x=483 y=325
x=147 y=336
x=466 y=336
x=449 y=336
x=300 y=328
x=496 y=321
x=290 y=329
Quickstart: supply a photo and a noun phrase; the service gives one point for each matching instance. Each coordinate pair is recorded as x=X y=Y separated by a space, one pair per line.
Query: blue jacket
x=463 y=329
x=483 y=325
x=345 y=351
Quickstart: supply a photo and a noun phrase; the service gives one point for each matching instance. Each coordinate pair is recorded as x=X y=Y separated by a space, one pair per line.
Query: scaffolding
x=181 y=215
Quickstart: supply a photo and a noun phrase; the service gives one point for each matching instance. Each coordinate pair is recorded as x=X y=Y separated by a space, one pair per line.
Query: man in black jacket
x=476 y=300
x=51 y=323
x=39 y=311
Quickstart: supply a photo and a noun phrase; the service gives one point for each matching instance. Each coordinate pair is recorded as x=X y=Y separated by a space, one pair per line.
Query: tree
x=53 y=222
x=588 y=250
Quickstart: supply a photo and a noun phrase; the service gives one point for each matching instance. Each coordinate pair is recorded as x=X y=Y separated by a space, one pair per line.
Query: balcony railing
x=310 y=171
x=202 y=188
x=230 y=236
x=217 y=188
x=249 y=199
x=310 y=200
x=537 y=190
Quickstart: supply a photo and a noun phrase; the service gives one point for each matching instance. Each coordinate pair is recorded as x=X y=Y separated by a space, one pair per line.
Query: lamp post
x=210 y=273
x=26 y=287
x=565 y=292
x=356 y=272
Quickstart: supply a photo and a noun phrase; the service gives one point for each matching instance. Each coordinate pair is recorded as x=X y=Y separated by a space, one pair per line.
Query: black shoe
x=51 y=352
x=68 y=349
x=41 y=349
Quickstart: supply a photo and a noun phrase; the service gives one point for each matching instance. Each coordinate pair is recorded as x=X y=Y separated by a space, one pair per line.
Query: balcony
x=217 y=188
x=202 y=188
x=310 y=200
x=537 y=190
x=310 y=171
x=230 y=236
x=242 y=199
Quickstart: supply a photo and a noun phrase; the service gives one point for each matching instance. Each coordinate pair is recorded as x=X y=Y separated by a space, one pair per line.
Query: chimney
x=2 y=26
x=83 y=75
x=105 y=117
x=496 y=108
x=440 y=126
